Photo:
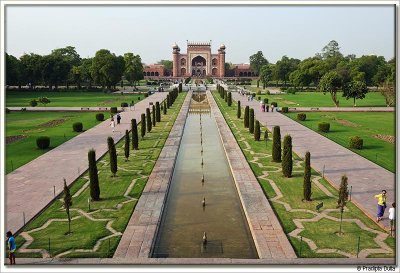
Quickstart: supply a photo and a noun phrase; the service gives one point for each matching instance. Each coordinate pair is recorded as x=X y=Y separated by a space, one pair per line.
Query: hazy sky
x=295 y=31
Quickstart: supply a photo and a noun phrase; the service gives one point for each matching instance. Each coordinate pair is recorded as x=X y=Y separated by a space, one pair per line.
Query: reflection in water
x=203 y=216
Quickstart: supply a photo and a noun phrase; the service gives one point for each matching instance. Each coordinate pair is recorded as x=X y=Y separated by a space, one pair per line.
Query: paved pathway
x=366 y=177
x=67 y=109
x=31 y=187
x=141 y=231
x=341 y=109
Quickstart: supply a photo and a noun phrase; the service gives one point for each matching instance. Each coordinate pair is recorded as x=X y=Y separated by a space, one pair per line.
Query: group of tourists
x=382 y=206
x=112 y=122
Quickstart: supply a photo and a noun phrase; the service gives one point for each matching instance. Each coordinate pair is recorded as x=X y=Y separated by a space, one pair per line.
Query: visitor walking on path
x=12 y=247
x=381 y=205
x=118 y=118
x=112 y=124
x=392 y=213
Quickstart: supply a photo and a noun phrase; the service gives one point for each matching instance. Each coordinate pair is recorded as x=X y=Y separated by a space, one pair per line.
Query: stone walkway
x=341 y=109
x=68 y=109
x=269 y=237
x=40 y=178
x=366 y=178
x=141 y=231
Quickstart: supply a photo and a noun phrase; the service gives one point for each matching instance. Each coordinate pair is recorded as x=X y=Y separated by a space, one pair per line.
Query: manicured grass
x=324 y=231
x=114 y=207
x=318 y=99
x=70 y=98
x=31 y=125
x=365 y=125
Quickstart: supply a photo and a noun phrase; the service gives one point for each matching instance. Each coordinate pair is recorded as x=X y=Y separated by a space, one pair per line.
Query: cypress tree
x=143 y=125
x=225 y=95
x=154 y=115
x=239 y=110
x=168 y=101
x=67 y=203
x=257 y=131
x=343 y=193
x=135 y=137
x=165 y=107
x=276 y=144
x=113 y=156
x=158 y=112
x=307 y=178
x=287 y=161
x=93 y=176
x=230 y=99
x=180 y=87
x=251 y=121
x=126 y=147
x=246 y=117
x=148 y=120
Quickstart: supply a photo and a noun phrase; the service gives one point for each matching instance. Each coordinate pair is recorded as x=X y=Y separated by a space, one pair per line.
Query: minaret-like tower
x=175 y=60
x=221 y=62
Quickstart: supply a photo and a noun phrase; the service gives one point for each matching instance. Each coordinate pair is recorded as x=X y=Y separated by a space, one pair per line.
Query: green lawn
x=364 y=125
x=324 y=231
x=70 y=98
x=318 y=99
x=118 y=195
x=32 y=125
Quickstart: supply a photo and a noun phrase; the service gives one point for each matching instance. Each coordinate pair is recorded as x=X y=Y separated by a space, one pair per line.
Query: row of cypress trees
x=147 y=122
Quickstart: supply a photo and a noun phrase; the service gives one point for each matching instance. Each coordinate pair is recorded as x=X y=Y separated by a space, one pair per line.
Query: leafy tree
x=143 y=125
x=356 y=90
x=85 y=71
x=300 y=78
x=93 y=176
x=126 y=147
x=239 y=110
x=246 y=117
x=158 y=112
x=343 y=193
x=13 y=71
x=265 y=74
x=257 y=60
x=67 y=204
x=107 y=69
x=133 y=68
x=307 y=178
x=287 y=161
x=113 y=156
x=389 y=92
x=251 y=121
x=257 y=131
x=331 y=50
x=55 y=70
x=276 y=145
x=167 y=66
x=135 y=137
x=148 y=120
x=31 y=69
x=371 y=65
x=331 y=82
x=284 y=67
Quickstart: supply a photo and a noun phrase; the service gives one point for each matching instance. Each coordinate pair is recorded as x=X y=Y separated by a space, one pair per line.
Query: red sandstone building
x=198 y=61
x=153 y=70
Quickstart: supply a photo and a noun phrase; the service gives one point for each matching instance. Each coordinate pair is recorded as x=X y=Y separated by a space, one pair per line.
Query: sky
x=295 y=31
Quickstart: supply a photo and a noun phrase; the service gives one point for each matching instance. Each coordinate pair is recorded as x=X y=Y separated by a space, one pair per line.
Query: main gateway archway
x=199 y=66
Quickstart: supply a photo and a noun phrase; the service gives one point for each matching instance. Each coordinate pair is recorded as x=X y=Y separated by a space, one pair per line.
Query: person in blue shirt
x=12 y=247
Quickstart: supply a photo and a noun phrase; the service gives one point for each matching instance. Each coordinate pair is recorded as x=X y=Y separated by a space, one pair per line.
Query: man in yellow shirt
x=381 y=205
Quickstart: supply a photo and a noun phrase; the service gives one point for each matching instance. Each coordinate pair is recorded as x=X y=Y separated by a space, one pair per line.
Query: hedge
x=100 y=117
x=77 y=127
x=285 y=109
x=43 y=142
x=113 y=110
x=324 y=127
x=356 y=142
x=124 y=104
x=301 y=116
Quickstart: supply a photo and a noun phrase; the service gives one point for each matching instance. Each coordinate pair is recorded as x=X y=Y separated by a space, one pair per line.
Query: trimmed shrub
x=287 y=161
x=356 y=142
x=113 y=156
x=343 y=193
x=276 y=145
x=77 y=127
x=266 y=135
x=143 y=125
x=307 y=177
x=251 y=121
x=100 y=117
x=153 y=114
x=158 y=112
x=285 y=109
x=257 y=131
x=165 y=108
x=324 y=127
x=180 y=87
x=259 y=98
x=246 y=117
x=113 y=110
x=146 y=95
x=265 y=100
x=135 y=137
x=148 y=120
x=124 y=104
x=43 y=142
x=126 y=146
x=93 y=176
x=168 y=101
x=230 y=99
x=33 y=103
x=259 y=92
x=275 y=104
x=239 y=109
x=301 y=116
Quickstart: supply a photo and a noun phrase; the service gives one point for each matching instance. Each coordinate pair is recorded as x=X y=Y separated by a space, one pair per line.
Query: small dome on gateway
x=222 y=46
x=175 y=46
